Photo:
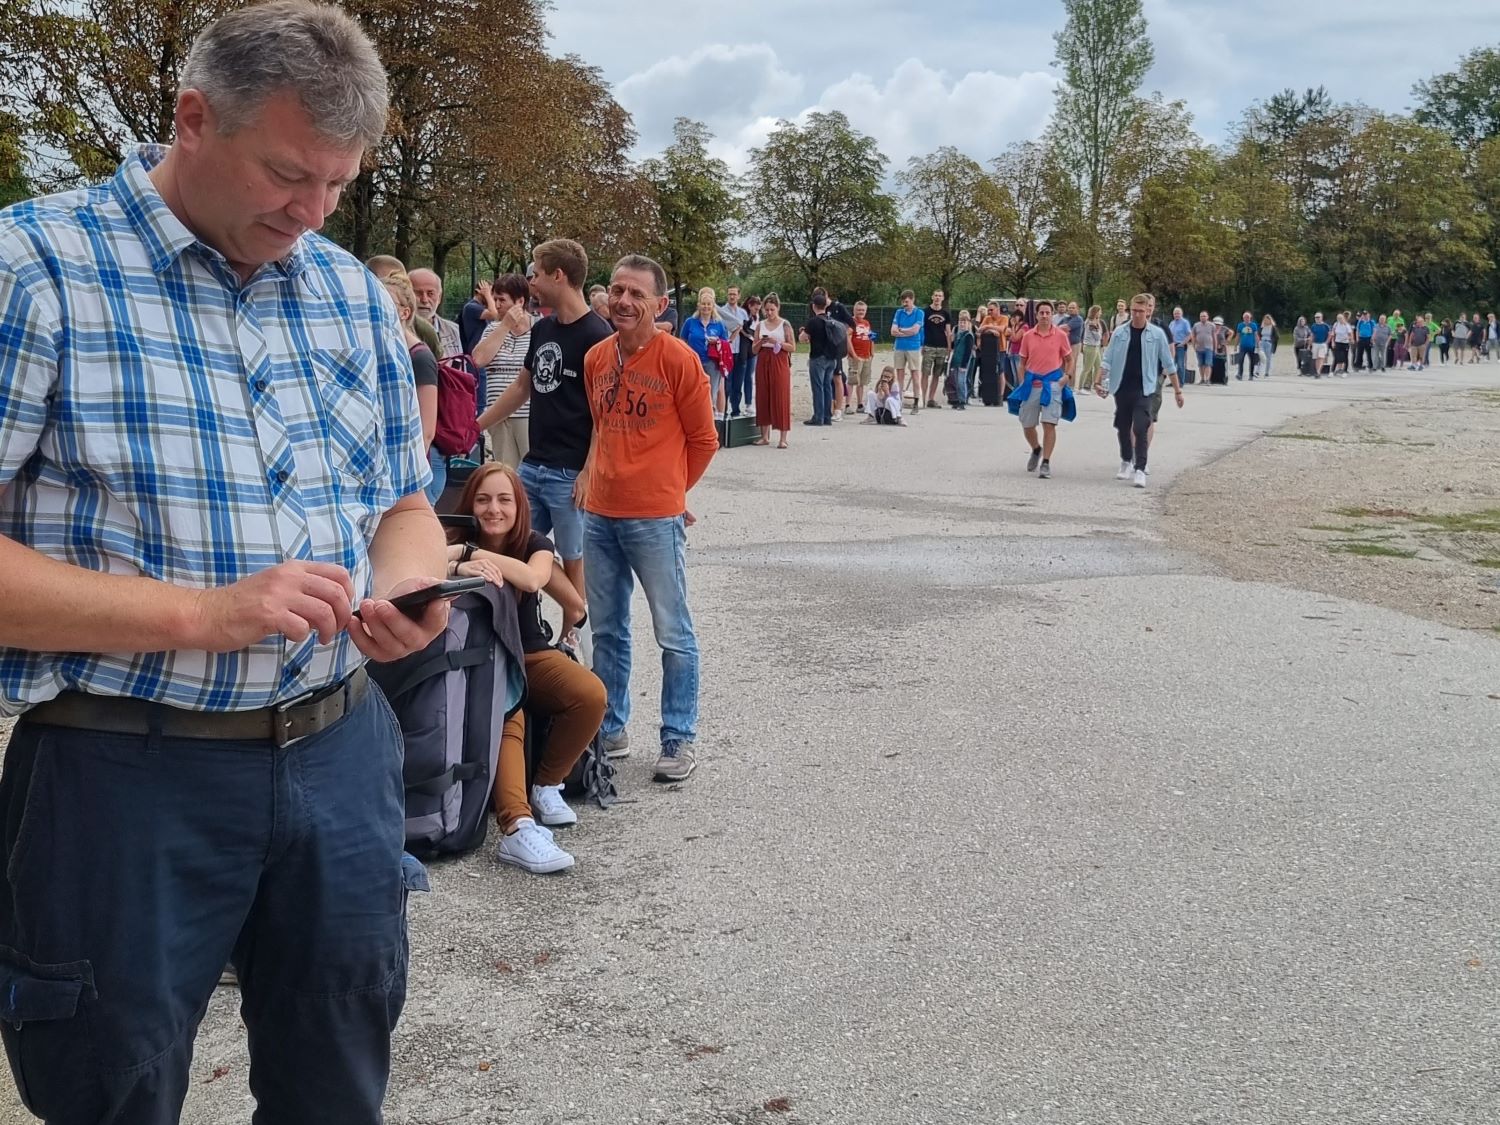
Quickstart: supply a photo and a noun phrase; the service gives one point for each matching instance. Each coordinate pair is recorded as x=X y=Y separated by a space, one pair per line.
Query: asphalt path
x=1005 y=812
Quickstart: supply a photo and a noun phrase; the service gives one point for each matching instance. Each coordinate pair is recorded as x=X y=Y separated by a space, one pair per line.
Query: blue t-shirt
x=912 y=319
x=1181 y=328
x=696 y=335
x=1366 y=329
x=1319 y=332
x=1248 y=335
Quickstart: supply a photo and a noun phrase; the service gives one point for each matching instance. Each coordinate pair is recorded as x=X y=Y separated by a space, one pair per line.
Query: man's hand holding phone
x=388 y=629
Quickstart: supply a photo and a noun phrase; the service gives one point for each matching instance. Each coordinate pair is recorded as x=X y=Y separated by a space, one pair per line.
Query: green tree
x=696 y=206
x=951 y=201
x=1464 y=103
x=1016 y=243
x=814 y=195
x=1182 y=238
x=91 y=78
x=1269 y=259
x=1104 y=53
x=1486 y=179
x=1426 y=232
x=14 y=185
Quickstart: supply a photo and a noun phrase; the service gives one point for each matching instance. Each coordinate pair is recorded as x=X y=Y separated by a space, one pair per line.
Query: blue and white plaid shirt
x=159 y=418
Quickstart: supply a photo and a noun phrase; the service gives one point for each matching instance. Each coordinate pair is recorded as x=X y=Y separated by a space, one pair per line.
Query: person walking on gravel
x=1139 y=356
x=1042 y=388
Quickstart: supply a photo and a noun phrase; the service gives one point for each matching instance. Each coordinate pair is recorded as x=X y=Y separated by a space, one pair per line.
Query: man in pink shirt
x=1038 y=398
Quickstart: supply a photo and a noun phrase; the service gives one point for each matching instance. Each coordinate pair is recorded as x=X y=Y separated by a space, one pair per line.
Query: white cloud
x=918 y=109
x=716 y=84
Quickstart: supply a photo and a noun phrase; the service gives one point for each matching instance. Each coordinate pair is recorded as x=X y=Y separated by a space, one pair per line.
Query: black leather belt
x=281 y=725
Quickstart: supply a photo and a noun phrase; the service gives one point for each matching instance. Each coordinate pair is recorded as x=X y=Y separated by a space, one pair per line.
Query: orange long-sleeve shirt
x=654 y=429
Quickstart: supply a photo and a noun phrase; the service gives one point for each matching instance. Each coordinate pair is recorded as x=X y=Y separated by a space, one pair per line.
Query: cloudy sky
x=977 y=74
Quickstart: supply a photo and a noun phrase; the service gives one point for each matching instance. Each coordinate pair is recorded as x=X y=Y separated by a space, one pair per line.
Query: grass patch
x=1487 y=520
x=1326 y=527
x=1304 y=437
x=1488 y=564
x=1372 y=550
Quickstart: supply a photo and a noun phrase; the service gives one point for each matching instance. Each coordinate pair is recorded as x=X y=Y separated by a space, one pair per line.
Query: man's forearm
x=511 y=400
x=53 y=606
x=408 y=544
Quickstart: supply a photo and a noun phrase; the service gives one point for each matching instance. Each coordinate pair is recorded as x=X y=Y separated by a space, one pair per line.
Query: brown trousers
x=573 y=697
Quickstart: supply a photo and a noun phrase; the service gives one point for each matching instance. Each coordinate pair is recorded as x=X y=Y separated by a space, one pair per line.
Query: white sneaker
x=530 y=848
x=1124 y=473
x=550 y=808
x=1140 y=478
x=838 y=415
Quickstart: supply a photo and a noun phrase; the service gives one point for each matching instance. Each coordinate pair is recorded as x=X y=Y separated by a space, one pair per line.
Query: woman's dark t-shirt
x=529 y=606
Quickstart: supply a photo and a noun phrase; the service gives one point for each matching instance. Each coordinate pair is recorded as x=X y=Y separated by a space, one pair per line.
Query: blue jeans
x=438 y=462
x=750 y=381
x=618 y=551
x=820 y=370
x=1181 y=351
x=550 y=493
x=138 y=866
x=961 y=383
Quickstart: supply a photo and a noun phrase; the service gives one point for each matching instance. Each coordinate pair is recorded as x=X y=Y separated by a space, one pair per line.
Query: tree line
x=494 y=139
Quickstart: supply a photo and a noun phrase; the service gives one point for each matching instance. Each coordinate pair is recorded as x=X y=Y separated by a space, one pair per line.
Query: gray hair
x=315 y=50
x=639 y=263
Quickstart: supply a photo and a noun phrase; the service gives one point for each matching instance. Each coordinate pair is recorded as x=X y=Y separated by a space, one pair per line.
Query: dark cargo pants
x=135 y=868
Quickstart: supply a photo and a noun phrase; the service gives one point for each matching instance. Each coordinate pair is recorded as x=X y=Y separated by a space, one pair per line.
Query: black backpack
x=452 y=700
x=838 y=336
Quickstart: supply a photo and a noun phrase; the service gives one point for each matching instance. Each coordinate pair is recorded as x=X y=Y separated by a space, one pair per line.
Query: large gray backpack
x=452 y=700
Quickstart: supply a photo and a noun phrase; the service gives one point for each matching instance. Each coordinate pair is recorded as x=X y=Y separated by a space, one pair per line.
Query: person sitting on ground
x=425 y=368
x=883 y=403
x=505 y=550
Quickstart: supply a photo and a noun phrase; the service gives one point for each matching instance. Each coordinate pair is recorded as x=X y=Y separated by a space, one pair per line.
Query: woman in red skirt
x=773 y=348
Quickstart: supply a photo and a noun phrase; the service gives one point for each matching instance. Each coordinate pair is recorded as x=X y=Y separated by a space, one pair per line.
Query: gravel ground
x=1014 y=805
x=1394 y=502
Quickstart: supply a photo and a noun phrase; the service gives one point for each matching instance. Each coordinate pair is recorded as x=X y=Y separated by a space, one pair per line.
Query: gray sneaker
x=1045 y=471
x=676 y=761
x=1034 y=460
x=616 y=745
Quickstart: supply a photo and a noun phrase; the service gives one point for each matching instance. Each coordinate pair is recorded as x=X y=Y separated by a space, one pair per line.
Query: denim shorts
x=553 y=513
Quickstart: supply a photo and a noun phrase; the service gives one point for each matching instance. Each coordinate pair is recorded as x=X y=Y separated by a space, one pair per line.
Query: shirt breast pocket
x=351 y=421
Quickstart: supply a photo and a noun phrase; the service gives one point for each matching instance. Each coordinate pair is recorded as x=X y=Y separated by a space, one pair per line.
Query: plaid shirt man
x=158 y=418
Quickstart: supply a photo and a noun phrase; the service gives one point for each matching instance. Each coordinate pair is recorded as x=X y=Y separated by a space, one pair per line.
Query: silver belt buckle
x=281 y=722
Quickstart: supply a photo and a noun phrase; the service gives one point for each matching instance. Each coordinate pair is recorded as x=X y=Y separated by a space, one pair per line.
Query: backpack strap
x=437 y=786
x=441 y=664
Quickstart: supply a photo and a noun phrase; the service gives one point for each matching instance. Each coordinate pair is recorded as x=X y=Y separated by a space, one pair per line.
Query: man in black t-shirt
x=822 y=360
x=937 y=339
x=551 y=379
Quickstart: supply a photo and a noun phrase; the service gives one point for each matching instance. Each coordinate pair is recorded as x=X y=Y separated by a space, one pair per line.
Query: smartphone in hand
x=412 y=604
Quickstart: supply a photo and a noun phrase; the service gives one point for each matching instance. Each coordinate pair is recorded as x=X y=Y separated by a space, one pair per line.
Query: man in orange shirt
x=1039 y=394
x=653 y=439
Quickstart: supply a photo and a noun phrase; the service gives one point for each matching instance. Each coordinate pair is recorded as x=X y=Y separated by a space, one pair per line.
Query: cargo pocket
x=37 y=1002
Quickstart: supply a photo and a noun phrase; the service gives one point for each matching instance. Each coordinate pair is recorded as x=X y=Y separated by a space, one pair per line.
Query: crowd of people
x=222 y=442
